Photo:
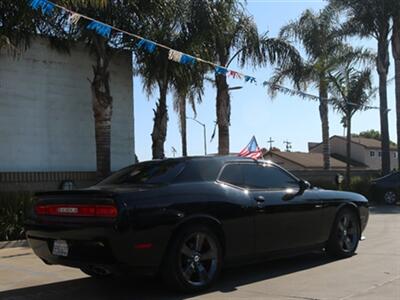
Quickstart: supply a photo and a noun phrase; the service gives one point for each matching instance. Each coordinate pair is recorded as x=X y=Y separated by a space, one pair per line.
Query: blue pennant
x=147 y=45
x=187 y=60
x=249 y=79
x=46 y=6
x=221 y=70
x=102 y=29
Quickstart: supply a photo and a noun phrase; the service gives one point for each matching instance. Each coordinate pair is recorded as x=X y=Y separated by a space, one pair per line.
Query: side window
x=232 y=173
x=267 y=177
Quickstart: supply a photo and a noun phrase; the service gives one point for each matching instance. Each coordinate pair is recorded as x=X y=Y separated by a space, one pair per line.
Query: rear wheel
x=390 y=197
x=194 y=259
x=345 y=234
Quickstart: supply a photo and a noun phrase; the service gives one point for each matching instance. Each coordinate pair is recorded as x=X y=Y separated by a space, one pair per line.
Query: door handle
x=259 y=199
x=318 y=206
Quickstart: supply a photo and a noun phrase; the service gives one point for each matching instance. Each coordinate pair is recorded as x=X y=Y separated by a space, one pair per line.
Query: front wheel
x=345 y=234
x=194 y=259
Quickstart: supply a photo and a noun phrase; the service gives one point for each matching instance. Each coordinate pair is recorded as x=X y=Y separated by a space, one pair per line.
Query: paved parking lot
x=374 y=273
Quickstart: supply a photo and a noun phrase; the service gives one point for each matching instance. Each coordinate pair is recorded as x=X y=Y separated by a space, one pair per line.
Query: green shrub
x=361 y=185
x=13 y=206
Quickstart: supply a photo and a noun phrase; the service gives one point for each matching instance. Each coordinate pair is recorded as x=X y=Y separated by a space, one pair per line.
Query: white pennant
x=74 y=18
x=174 y=55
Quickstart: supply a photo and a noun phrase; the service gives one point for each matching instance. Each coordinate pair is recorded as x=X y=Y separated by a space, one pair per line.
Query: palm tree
x=396 y=57
x=158 y=72
x=371 y=18
x=352 y=91
x=229 y=33
x=317 y=33
x=188 y=89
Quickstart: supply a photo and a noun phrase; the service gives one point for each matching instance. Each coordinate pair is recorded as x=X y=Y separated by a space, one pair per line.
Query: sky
x=253 y=112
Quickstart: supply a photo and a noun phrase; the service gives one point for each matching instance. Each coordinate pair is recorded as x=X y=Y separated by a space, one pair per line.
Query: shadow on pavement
x=119 y=289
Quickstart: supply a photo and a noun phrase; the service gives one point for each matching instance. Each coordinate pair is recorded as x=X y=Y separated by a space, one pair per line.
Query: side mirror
x=304 y=185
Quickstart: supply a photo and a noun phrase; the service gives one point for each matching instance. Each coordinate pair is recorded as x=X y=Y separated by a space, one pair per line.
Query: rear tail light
x=79 y=210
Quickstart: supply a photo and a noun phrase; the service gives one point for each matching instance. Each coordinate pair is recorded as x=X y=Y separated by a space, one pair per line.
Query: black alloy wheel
x=390 y=197
x=345 y=234
x=194 y=260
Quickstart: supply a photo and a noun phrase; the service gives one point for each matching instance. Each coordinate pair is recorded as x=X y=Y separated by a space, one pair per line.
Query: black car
x=387 y=188
x=187 y=218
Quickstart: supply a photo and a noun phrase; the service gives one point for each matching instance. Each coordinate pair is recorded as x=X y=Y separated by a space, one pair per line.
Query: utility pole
x=270 y=141
x=173 y=151
x=288 y=146
x=204 y=133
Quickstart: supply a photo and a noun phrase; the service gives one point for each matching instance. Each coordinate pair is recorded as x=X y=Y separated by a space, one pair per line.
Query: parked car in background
x=387 y=188
x=186 y=218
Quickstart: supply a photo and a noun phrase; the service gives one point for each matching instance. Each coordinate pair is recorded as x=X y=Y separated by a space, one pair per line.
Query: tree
x=188 y=88
x=17 y=25
x=229 y=33
x=396 y=57
x=352 y=91
x=318 y=35
x=121 y=14
x=172 y=27
x=371 y=18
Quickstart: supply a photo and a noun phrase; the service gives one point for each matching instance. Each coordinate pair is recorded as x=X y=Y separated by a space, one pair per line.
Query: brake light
x=78 y=210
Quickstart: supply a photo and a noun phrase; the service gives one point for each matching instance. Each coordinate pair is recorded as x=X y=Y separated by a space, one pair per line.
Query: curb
x=13 y=244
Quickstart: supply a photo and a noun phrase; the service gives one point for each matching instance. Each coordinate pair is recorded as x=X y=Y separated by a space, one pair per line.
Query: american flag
x=251 y=150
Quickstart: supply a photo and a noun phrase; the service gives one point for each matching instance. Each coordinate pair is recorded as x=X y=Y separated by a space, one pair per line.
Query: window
x=395 y=154
x=146 y=173
x=233 y=174
x=380 y=154
x=257 y=176
x=372 y=153
x=267 y=177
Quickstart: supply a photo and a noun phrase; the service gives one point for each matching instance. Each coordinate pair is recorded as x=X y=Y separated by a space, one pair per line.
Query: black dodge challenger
x=186 y=218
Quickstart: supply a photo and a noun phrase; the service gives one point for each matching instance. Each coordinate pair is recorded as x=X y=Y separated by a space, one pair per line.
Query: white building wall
x=46 y=118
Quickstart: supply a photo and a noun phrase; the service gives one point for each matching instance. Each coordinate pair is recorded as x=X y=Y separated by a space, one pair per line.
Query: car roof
x=219 y=158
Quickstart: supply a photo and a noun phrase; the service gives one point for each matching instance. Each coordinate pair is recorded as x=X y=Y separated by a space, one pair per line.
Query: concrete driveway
x=374 y=273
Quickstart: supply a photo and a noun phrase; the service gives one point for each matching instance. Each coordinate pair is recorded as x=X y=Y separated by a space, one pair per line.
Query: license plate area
x=60 y=248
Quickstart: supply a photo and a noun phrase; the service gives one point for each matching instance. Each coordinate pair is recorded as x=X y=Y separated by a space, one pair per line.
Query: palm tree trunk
x=396 y=56
x=382 y=67
x=102 y=108
x=348 y=152
x=323 y=112
x=159 y=133
x=223 y=114
x=182 y=121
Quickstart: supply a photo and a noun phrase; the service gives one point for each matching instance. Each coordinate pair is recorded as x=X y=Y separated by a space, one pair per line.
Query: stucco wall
x=46 y=118
x=358 y=153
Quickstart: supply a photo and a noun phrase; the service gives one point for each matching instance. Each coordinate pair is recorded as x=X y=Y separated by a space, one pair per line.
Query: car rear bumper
x=100 y=247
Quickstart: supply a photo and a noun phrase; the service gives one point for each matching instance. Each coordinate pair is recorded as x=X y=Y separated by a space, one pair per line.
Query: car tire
x=345 y=234
x=390 y=197
x=194 y=260
x=96 y=272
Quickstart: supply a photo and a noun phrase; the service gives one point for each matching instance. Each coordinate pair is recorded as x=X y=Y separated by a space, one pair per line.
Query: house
x=47 y=129
x=364 y=151
x=296 y=161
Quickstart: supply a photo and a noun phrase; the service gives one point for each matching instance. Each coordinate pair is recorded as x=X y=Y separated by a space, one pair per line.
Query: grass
x=13 y=208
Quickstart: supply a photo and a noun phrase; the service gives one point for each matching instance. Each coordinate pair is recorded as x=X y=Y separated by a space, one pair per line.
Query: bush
x=361 y=185
x=13 y=207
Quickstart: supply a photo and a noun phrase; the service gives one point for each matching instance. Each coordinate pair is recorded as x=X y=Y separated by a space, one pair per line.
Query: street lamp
x=204 y=133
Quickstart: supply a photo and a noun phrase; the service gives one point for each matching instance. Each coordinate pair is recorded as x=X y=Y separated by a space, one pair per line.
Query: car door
x=286 y=216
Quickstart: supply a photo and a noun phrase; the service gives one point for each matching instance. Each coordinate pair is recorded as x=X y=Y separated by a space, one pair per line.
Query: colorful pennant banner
x=105 y=30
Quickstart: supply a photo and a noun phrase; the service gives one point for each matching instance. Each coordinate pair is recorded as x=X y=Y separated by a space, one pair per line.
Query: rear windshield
x=162 y=172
